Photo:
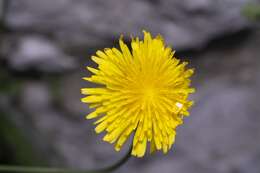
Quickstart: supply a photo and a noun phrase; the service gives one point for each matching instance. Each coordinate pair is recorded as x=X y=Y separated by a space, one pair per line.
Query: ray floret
x=141 y=91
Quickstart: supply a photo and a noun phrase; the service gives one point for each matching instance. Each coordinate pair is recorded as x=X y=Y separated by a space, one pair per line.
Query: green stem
x=9 y=168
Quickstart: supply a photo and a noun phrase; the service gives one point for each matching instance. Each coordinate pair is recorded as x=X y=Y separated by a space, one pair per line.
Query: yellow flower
x=142 y=91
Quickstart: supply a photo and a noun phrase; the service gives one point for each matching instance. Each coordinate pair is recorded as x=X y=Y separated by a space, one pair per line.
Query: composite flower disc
x=142 y=90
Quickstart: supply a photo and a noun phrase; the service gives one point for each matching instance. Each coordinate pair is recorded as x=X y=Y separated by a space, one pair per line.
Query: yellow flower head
x=142 y=91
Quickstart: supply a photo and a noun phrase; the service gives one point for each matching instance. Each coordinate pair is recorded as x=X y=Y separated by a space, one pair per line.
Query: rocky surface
x=37 y=53
x=185 y=24
x=221 y=135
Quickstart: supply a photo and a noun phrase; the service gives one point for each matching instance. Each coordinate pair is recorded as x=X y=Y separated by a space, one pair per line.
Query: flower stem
x=28 y=169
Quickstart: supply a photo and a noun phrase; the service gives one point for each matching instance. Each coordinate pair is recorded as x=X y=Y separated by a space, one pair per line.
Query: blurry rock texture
x=39 y=54
x=45 y=45
x=185 y=24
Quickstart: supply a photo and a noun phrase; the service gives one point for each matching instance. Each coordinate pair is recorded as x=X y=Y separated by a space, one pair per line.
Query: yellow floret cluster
x=141 y=91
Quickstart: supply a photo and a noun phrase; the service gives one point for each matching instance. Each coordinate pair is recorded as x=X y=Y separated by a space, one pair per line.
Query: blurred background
x=46 y=44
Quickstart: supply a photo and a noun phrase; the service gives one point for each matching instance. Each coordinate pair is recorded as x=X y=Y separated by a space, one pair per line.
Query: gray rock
x=171 y=165
x=222 y=128
x=66 y=141
x=72 y=85
x=35 y=52
x=35 y=97
x=185 y=24
x=1 y=10
x=249 y=164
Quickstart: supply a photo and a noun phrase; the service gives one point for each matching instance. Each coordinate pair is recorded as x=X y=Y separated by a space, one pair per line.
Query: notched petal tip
x=97 y=59
x=89 y=79
x=160 y=37
x=92 y=70
x=91 y=115
x=82 y=91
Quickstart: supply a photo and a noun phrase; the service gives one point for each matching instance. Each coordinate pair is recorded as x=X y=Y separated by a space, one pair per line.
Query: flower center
x=148 y=96
x=149 y=93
